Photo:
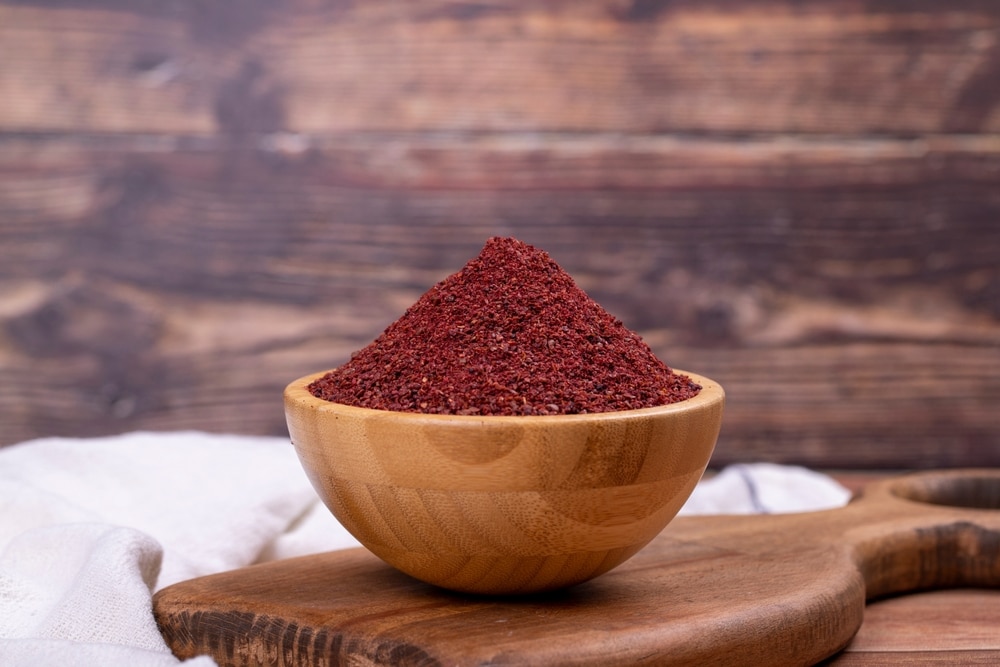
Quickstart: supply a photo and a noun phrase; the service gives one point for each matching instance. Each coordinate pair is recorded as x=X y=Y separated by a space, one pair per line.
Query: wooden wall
x=200 y=201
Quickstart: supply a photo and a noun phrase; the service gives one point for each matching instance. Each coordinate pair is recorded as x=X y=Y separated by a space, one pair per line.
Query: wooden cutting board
x=771 y=590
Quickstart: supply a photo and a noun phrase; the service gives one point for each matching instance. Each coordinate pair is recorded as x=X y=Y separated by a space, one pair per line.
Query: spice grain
x=509 y=334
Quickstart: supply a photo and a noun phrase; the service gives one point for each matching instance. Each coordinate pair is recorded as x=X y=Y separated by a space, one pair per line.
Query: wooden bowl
x=504 y=505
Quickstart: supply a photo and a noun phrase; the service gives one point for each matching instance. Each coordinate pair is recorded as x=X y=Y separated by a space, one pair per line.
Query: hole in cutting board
x=971 y=491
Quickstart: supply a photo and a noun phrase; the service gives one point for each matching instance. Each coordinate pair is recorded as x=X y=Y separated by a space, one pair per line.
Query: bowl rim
x=296 y=393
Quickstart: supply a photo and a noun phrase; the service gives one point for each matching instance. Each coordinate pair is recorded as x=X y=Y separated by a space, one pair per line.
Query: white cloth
x=765 y=488
x=90 y=528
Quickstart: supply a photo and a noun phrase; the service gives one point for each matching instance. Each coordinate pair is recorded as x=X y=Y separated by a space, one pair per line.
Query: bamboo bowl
x=504 y=505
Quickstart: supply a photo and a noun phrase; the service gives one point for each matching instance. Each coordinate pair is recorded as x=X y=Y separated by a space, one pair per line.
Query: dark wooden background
x=201 y=201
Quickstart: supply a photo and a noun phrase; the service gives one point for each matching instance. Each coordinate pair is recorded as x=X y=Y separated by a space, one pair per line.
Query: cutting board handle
x=927 y=530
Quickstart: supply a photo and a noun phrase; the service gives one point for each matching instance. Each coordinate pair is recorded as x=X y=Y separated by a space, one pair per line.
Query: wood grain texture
x=955 y=620
x=504 y=505
x=761 y=590
x=799 y=199
x=641 y=66
x=889 y=659
x=231 y=277
x=944 y=627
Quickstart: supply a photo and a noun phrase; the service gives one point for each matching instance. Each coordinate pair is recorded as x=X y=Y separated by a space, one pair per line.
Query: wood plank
x=801 y=223
x=945 y=627
x=161 y=284
x=882 y=659
x=949 y=620
x=718 y=66
x=778 y=200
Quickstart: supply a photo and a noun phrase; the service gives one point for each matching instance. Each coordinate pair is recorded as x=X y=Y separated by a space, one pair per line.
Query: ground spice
x=509 y=334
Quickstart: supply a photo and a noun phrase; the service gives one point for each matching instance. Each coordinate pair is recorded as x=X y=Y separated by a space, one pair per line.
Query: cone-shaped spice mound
x=509 y=334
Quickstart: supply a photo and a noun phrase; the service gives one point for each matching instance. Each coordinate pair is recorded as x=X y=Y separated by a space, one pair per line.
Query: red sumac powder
x=509 y=334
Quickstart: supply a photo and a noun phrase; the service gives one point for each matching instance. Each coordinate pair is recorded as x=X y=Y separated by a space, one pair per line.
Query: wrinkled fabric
x=90 y=528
